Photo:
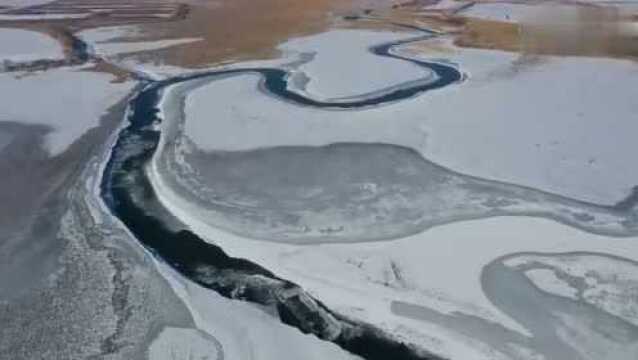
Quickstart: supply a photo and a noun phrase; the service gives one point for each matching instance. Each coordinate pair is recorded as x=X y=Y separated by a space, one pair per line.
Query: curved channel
x=129 y=195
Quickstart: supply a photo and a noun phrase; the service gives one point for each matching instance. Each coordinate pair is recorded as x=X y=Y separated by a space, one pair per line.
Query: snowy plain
x=108 y=41
x=69 y=100
x=607 y=282
x=16 y=4
x=341 y=64
x=246 y=331
x=30 y=17
x=24 y=45
x=501 y=11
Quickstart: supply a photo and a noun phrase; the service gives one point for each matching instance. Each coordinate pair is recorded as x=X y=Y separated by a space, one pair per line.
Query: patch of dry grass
x=487 y=34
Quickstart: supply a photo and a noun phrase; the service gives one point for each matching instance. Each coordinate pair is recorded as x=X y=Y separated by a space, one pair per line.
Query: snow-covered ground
x=23 y=45
x=69 y=100
x=446 y=5
x=107 y=41
x=566 y=131
x=563 y=125
x=548 y=281
x=16 y=4
x=245 y=331
x=502 y=11
x=5 y=139
x=539 y=12
x=605 y=282
x=342 y=62
x=178 y=343
x=30 y=17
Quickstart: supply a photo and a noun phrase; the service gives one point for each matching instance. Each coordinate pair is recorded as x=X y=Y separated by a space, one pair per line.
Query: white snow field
x=24 y=45
x=246 y=331
x=501 y=11
x=178 y=343
x=567 y=131
x=539 y=12
x=16 y=4
x=34 y=17
x=547 y=280
x=5 y=139
x=342 y=65
x=604 y=282
x=107 y=41
x=446 y=5
x=69 y=100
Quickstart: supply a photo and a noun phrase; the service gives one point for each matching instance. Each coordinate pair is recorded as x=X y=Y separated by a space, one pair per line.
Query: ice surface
x=508 y=12
x=107 y=41
x=547 y=280
x=69 y=100
x=177 y=343
x=607 y=282
x=23 y=45
x=446 y=5
x=245 y=331
x=23 y=3
x=5 y=139
x=343 y=65
x=29 y=17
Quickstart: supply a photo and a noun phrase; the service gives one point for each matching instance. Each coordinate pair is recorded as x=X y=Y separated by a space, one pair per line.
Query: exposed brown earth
x=246 y=29
x=583 y=31
x=241 y=29
x=230 y=29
